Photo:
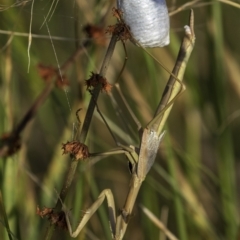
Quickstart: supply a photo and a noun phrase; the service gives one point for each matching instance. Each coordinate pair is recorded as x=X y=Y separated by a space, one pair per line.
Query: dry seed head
x=96 y=33
x=44 y=212
x=117 y=13
x=11 y=141
x=77 y=149
x=121 y=30
x=96 y=79
x=56 y=218
x=47 y=73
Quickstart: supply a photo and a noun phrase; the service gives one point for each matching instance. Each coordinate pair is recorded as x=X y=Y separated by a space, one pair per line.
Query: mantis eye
x=148 y=21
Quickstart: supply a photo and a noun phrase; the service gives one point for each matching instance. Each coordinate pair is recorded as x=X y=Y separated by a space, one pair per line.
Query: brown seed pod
x=56 y=218
x=45 y=212
x=77 y=149
x=96 y=79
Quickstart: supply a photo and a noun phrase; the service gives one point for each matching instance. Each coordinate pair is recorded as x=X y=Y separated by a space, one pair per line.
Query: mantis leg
x=107 y=193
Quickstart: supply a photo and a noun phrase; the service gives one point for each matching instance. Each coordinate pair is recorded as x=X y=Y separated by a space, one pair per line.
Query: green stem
x=5 y=218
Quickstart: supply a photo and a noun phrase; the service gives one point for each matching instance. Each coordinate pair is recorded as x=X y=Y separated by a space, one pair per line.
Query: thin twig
x=158 y=223
x=14 y=136
x=85 y=129
x=5 y=218
x=6 y=147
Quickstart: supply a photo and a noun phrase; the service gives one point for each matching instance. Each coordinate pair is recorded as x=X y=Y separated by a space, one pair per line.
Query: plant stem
x=85 y=129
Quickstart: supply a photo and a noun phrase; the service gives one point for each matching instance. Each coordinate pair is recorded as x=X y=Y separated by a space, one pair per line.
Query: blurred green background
x=193 y=185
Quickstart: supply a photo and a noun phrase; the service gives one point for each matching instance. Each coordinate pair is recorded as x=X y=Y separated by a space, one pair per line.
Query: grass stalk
x=224 y=144
x=178 y=202
x=85 y=129
x=5 y=218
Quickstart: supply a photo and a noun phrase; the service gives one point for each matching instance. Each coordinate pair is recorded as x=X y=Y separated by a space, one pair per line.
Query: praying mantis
x=143 y=158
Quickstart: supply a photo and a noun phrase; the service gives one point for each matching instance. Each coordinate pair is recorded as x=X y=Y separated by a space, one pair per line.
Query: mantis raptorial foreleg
x=143 y=159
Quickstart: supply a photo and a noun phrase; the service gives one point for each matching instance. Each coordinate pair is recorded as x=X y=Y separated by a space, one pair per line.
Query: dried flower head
x=10 y=143
x=44 y=212
x=96 y=79
x=48 y=73
x=56 y=218
x=117 y=13
x=77 y=149
x=121 y=30
x=96 y=33
x=62 y=81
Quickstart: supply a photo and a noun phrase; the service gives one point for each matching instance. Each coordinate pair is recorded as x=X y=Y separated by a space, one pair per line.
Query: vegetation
x=192 y=186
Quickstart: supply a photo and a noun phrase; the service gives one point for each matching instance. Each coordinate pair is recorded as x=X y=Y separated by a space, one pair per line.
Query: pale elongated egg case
x=148 y=21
